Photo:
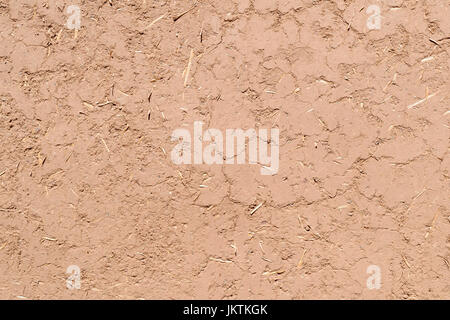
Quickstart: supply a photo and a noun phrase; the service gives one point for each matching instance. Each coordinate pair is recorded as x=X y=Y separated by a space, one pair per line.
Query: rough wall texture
x=86 y=176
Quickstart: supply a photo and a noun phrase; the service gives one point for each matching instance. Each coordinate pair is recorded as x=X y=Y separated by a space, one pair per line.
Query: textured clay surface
x=86 y=176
